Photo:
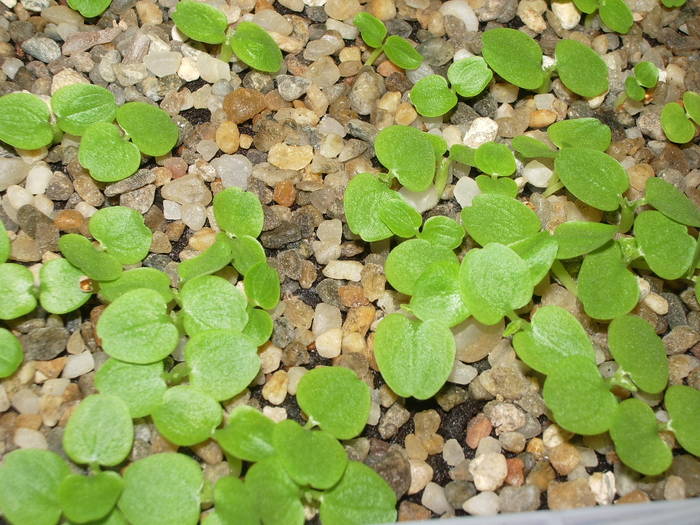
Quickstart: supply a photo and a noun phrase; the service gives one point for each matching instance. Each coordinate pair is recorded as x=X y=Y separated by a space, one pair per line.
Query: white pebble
x=488 y=445
x=188 y=69
x=537 y=174
x=78 y=365
x=294 y=375
x=567 y=14
x=234 y=170
x=212 y=69
x=554 y=435
x=163 y=63
x=270 y=359
x=328 y=343
x=465 y=190
x=488 y=470
x=452 y=452
x=171 y=210
x=483 y=504
x=462 y=374
x=30 y=438
x=602 y=485
x=326 y=317
x=434 y=499
x=25 y=401
x=481 y=131
x=194 y=216
x=276 y=414
x=330 y=231
x=38 y=179
x=43 y=204
x=421 y=474
x=349 y=270
x=420 y=200
x=85 y=209
x=17 y=197
x=462 y=10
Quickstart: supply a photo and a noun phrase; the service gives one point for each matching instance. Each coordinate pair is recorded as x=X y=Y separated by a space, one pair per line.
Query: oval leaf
x=432 y=97
x=211 y=303
x=201 y=22
x=90 y=498
x=581 y=69
x=141 y=387
x=268 y=481
x=683 y=405
x=186 y=415
x=24 y=121
x=149 y=127
x=515 y=56
x=60 y=291
x=262 y=286
x=469 y=76
x=442 y=231
x=498 y=218
x=402 y=53
x=408 y=155
x=11 y=353
x=372 y=29
x=122 y=232
x=106 y=155
x=588 y=133
x=78 y=106
x=672 y=202
x=666 y=245
x=676 y=125
x=407 y=261
x=238 y=212
x=437 y=295
x=16 y=291
x=248 y=435
x=364 y=198
x=255 y=47
x=581 y=237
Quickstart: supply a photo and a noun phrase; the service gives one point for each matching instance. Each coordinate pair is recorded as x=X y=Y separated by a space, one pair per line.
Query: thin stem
x=564 y=277
x=374 y=56
x=443 y=173
x=554 y=186
x=177 y=374
x=622 y=379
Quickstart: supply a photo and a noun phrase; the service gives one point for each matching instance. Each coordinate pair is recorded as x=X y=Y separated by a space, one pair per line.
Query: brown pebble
x=32 y=421
x=228 y=137
x=51 y=369
x=570 y=495
x=285 y=194
x=636 y=496
x=409 y=511
x=243 y=104
x=540 y=475
x=359 y=319
x=516 y=472
x=69 y=221
x=478 y=428
x=352 y=295
x=177 y=166
x=387 y=69
x=565 y=457
x=246 y=141
x=541 y=118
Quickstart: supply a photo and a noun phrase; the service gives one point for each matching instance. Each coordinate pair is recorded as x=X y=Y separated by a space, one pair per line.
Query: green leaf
x=586 y=6
x=502 y=186
x=514 y=56
x=469 y=76
x=222 y=362
x=403 y=220
x=633 y=90
x=5 y=248
x=201 y=22
x=141 y=387
x=310 y=457
x=606 y=287
x=90 y=498
x=407 y=261
x=59 y=291
x=78 y=106
x=666 y=245
x=212 y=303
x=463 y=154
x=672 y=202
x=691 y=101
x=683 y=405
x=259 y=326
x=246 y=252
x=29 y=481
x=581 y=69
x=673 y=3
x=16 y=291
x=616 y=15
x=335 y=399
x=639 y=352
x=555 y=335
x=256 y=48
x=148 y=126
x=538 y=252
x=95 y=263
x=106 y=155
x=209 y=261
x=442 y=231
x=99 y=431
x=402 y=53
x=235 y=505
x=495 y=281
x=408 y=155
x=267 y=481
x=581 y=237
x=89 y=8
x=432 y=97
x=588 y=133
x=495 y=159
x=136 y=328
x=238 y=212
x=592 y=176
x=137 y=278
x=439 y=144
x=437 y=295
x=362 y=496
x=372 y=29
x=647 y=74
x=11 y=353
x=24 y=121
x=497 y=218
x=676 y=125
x=262 y=286
x=162 y=489
x=637 y=443
x=415 y=358
x=533 y=148
x=579 y=397
x=365 y=196
x=187 y=416
x=248 y=435
x=122 y=232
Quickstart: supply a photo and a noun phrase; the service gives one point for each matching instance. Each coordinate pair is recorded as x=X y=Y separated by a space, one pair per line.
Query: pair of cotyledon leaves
x=680 y=122
x=396 y=48
x=644 y=76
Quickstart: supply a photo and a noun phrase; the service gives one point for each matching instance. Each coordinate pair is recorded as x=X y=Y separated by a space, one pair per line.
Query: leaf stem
x=630 y=249
x=374 y=56
x=622 y=379
x=442 y=174
x=554 y=186
x=564 y=277
x=177 y=373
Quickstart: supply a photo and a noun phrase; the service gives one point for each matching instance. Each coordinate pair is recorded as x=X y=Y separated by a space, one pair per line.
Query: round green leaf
x=5 y=248
x=16 y=291
x=691 y=101
x=554 y=335
x=238 y=212
x=647 y=74
x=248 y=435
x=403 y=220
x=162 y=489
x=639 y=352
x=579 y=397
x=201 y=22
x=606 y=287
x=498 y=218
x=588 y=133
x=415 y=358
x=141 y=387
x=672 y=202
x=335 y=399
x=495 y=159
x=515 y=56
x=262 y=286
x=432 y=97
x=637 y=443
x=587 y=6
x=442 y=231
x=463 y=154
x=581 y=69
x=402 y=53
x=210 y=303
x=82 y=254
x=469 y=76
x=29 y=482
x=267 y=481
x=59 y=291
x=85 y=499
x=437 y=295
x=592 y=176
x=676 y=125
x=256 y=48
x=407 y=261
x=209 y=261
x=246 y=252
x=581 y=237
x=11 y=353
x=408 y=155
x=149 y=127
x=24 y=121
x=187 y=416
x=616 y=15
x=137 y=329
x=259 y=326
x=310 y=457
x=364 y=198
x=372 y=29
x=222 y=362
x=532 y=148
x=683 y=405
x=89 y=8
x=666 y=245
x=137 y=278
x=78 y=106
x=104 y=152
x=495 y=281
x=633 y=90
x=362 y=496
x=538 y=252
x=235 y=505
x=99 y=431
x=122 y=232
x=502 y=186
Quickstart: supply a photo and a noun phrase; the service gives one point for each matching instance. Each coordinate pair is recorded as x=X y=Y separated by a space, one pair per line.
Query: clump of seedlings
x=680 y=122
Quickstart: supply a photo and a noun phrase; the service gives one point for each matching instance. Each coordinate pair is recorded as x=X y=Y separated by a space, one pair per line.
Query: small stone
x=567 y=14
x=421 y=474
x=163 y=63
x=554 y=435
x=326 y=317
x=434 y=499
x=243 y=104
x=189 y=189
x=465 y=190
x=212 y=70
x=78 y=365
x=680 y=339
x=42 y=48
x=25 y=401
x=674 y=488
x=537 y=174
x=349 y=270
x=233 y=170
x=516 y=472
x=391 y=463
x=489 y=471
x=452 y=452
x=328 y=343
x=291 y=88
x=284 y=194
x=290 y=157
x=540 y=475
x=392 y=420
x=29 y=438
x=519 y=499
x=409 y=511
x=570 y=495
x=602 y=484
x=59 y=187
x=368 y=87
x=636 y=496
x=478 y=428
x=564 y=458
x=541 y=118
x=43 y=344
x=463 y=11
x=275 y=388
x=474 y=340
x=484 y=504
x=482 y=130
x=140 y=200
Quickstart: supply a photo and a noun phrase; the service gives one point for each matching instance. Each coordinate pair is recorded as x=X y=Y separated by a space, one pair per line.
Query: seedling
x=437 y=295
x=201 y=22
x=186 y=415
x=614 y=13
x=89 y=8
x=78 y=106
x=580 y=68
x=5 y=247
x=680 y=122
x=255 y=47
x=409 y=260
x=149 y=127
x=134 y=279
x=60 y=290
x=212 y=303
x=497 y=218
x=645 y=76
x=17 y=294
x=89 y=498
x=24 y=121
x=408 y=155
x=141 y=387
x=396 y=48
x=514 y=56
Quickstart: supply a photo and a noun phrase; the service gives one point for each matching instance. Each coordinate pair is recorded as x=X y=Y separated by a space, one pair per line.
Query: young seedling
x=679 y=122
x=579 y=238
x=665 y=245
x=614 y=13
x=408 y=154
x=24 y=121
x=89 y=498
x=248 y=435
x=209 y=261
x=17 y=294
x=238 y=212
x=233 y=503
x=89 y=8
x=514 y=56
x=122 y=233
x=365 y=198
x=106 y=154
x=78 y=106
x=683 y=405
x=200 y=21
x=259 y=326
x=407 y=261
x=645 y=76
x=149 y=127
x=60 y=289
x=498 y=218
x=396 y=48
x=442 y=231
x=262 y=286
x=255 y=47
x=246 y=252
x=143 y=277
x=186 y=415
x=437 y=295
x=581 y=69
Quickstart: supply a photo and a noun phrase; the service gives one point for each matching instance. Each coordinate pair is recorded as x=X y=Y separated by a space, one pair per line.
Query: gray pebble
x=519 y=499
x=43 y=344
x=42 y=48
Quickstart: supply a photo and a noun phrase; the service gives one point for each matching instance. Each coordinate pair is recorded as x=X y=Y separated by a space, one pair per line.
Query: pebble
x=275 y=388
x=212 y=69
x=481 y=131
x=421 y=474
x=680 y=339
x=434 y=499
x=537 y=174
x=567 y=14
x=189 y=189
x=570 y=495
x=163 y=63
x=25 y=401
x=390 y=462
x=348 y=270
x=29 y=438
x=234 y=170
x=462 y=10
x=78 y=365
x=478 y=428
x=243 y=104
x=519 y=499
x=12 y=172
x=368 y=87
x=171 y=210
x=326 y=317
x=564 y=458
x=602 y=484
x=42 y=48
x=392 y=420
x=452 y=453
x=328 y=343
x=486 y=503
x=489 y=471
x=43 y=344
x=291 y=88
